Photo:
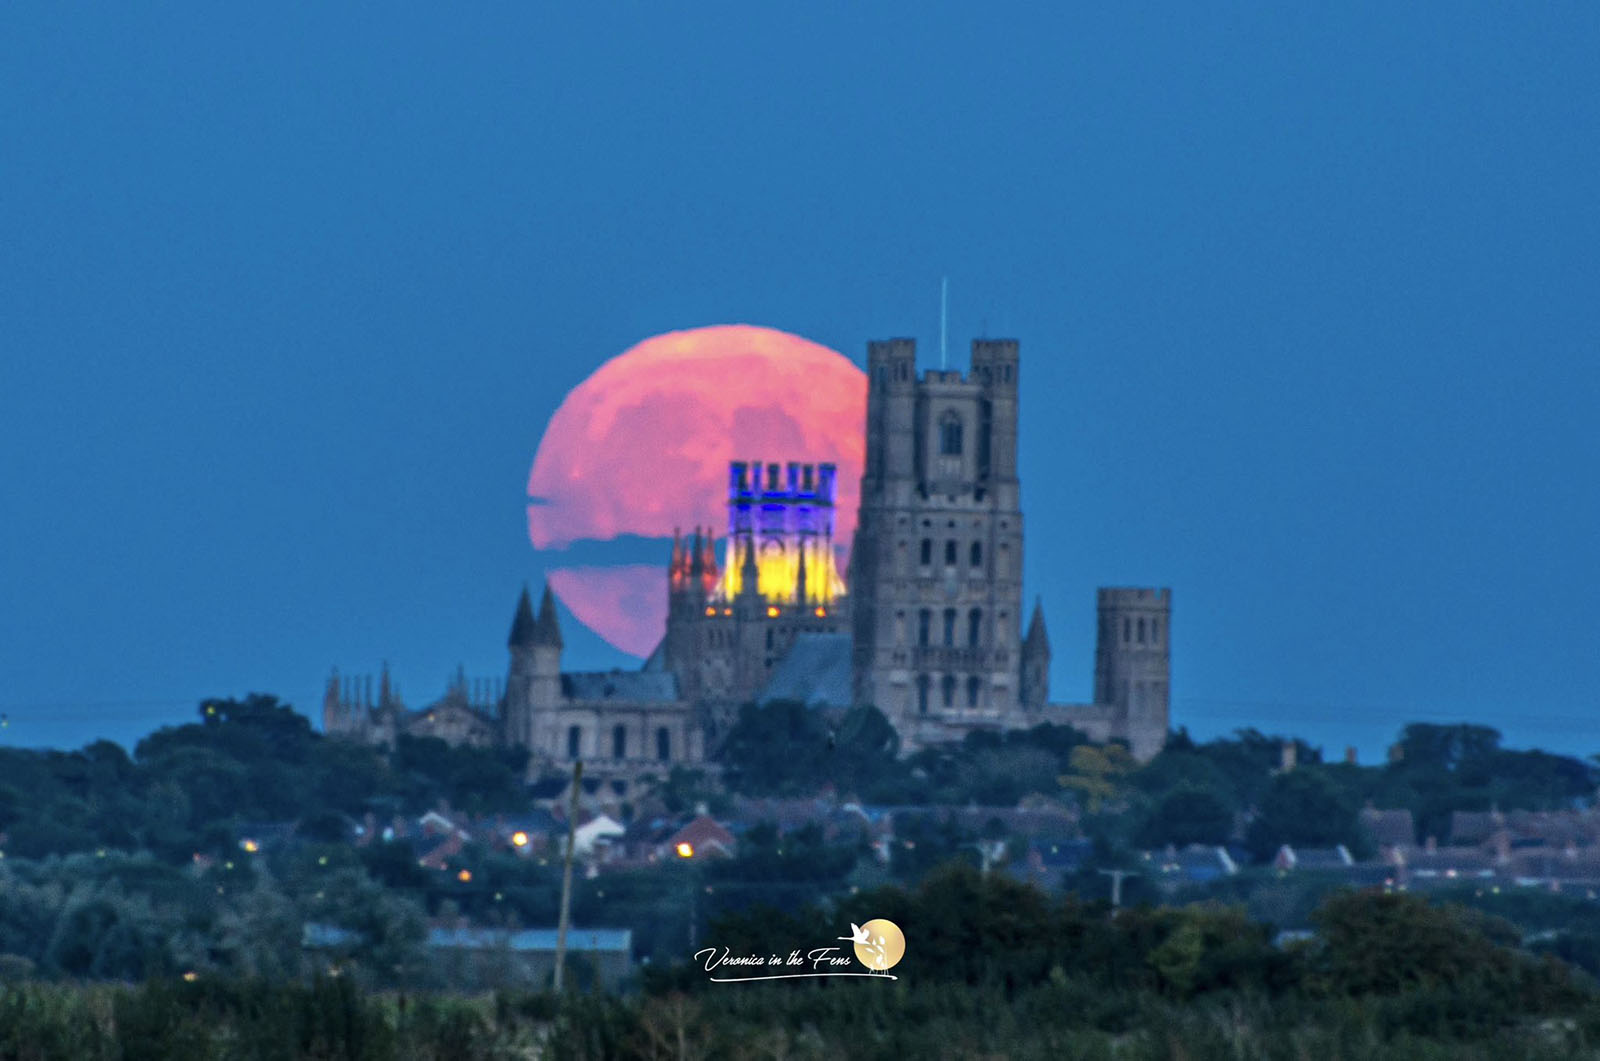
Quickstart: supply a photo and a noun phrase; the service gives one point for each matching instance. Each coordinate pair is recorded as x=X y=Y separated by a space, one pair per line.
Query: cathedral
x=925 y=623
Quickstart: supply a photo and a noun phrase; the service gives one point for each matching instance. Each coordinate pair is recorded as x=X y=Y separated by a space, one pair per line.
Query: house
x=1391 y=830
x=594 y=834
x=1044 y=865
x=700 y=838
x=1194 y=864
x=1313 y=858
x=1436 y=866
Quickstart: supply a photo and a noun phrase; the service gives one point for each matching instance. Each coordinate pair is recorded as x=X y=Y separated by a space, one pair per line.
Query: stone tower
x=533 y=679
x=1132 y=665
x=936 y=571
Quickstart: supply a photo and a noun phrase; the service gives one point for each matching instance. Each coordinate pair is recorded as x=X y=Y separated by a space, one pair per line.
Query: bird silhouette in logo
x=857 y=935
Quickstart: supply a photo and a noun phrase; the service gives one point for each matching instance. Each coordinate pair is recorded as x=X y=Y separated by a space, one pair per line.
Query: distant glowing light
x=772 y=611
x=249 y=846
x=685 y=850
x=191 y=976
x=464 y=876
x=519 y=838
x=822 y=613
x=711 y=611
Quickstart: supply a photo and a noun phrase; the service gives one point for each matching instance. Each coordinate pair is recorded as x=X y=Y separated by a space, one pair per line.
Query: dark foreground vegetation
x=1060 y=1019
x=992 y=969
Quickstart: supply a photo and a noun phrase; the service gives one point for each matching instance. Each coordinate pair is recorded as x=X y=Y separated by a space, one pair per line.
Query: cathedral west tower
x=936 y=571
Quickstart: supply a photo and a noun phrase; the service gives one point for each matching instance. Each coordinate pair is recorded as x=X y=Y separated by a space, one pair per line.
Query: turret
x=891 y=412
x=533 y=681
x=333 y=718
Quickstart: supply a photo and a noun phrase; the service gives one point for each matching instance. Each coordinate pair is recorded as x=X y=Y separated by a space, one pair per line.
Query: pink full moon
x=642 y=447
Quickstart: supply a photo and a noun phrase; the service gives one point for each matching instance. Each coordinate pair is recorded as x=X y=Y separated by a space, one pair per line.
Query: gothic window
x=924 y=621
x=663 y=744
x=949 y=627
x=1127 y=630
x=922 y=694
x=1141 y=629
x=947 y=690
x=619 y=742
x=1155 y=631
x=927 y=551
x=574 y=741
x=950 y=554
x=950 y=435
x=769 y=639
x=974 y=621
x=973 y=685
x=977 y=554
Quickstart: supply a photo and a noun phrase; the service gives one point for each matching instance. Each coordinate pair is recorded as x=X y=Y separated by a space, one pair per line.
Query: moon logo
x=884 y=947
x=642 y=446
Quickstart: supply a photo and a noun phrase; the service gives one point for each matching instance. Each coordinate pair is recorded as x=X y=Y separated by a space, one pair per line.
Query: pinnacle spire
x=547 y=631
x=522 y=624
x=1036 y=640
x=749 y=573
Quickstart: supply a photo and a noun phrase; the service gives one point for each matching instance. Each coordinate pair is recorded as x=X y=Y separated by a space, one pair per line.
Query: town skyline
x=1308 y=318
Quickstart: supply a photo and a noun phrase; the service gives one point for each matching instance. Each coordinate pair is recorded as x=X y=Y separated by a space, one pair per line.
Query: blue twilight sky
x=1307 y=298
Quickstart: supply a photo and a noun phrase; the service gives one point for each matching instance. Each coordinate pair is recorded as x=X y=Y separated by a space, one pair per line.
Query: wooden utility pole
x=566 y=875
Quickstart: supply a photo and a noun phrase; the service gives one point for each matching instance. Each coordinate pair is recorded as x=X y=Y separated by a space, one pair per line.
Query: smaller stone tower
x=533 y=680
x=1132 y=665
x=1035 y=663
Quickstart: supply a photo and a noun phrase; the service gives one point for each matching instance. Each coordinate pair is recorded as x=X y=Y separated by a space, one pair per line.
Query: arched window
x=1155 y=631
x=663 y=744
x=974 y=623
x=950 y=554
x=977 y=554
x=922 y=694
x=927 y=551
x=1141 y=629
x=947 y=690
x=950 y=435
x=574 y=741
x=1127 y=629
x=949 y=627
x=924 y=621
x=973 y=685
x=619 y=742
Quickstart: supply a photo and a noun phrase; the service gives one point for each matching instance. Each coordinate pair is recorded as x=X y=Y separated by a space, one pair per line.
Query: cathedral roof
x=816 y=672
x=652 y=687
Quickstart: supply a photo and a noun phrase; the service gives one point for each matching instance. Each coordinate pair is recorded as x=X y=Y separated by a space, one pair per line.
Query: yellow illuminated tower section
x=781 y=515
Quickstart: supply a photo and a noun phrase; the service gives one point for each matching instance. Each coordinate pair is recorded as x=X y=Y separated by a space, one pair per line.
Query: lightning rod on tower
x=944 y=316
